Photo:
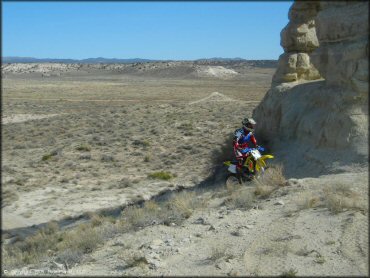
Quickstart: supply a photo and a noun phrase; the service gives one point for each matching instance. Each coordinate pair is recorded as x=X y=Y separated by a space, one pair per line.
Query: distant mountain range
x=73 y=61
x=103 y=60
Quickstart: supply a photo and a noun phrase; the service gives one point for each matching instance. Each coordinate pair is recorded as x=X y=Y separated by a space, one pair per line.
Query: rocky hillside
x=319 y=95
x=163 y=69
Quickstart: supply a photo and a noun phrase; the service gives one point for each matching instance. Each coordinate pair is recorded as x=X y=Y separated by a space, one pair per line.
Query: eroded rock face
x=343 y=32
x=330 y=113
x=298 y=40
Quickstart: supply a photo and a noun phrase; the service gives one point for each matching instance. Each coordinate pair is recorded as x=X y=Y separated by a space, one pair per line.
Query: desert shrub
x=107 y=158
x=51 y=228
x=174 y=210
x=340 y=197
x=8 y=197
x=219 y=252
x=160 y=175
x=147 y=158
x=33 y=249
x=83 y=147
x=240 y=198
x=69 y=245
x=85 y=156
x=319 y=259
x=84 y=238
x=70 y=257
x=133 y=259
x=46 y=157
x=124 y=182
x=270 y=181
x=183 y=205
x=142 y=216
x=273 y=176
x=142 y=143
x=11 y=258
x=96 y=219
x=52 y=154
x=290 y=273
x=308 y=200
x=186 y=126
x=263 y=190
x=110 y=228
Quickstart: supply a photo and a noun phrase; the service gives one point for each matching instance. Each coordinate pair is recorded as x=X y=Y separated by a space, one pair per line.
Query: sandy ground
x=268 y=240
x=24 y=117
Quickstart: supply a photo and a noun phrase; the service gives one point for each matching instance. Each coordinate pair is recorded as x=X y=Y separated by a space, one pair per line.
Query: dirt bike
x=253 y=167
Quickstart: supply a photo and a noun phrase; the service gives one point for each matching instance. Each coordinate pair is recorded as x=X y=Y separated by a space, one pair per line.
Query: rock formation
x=318 y=114
x=298 y=40
x=343 y=32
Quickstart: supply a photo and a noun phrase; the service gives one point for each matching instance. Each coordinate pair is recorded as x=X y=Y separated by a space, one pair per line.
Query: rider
x=243 y=140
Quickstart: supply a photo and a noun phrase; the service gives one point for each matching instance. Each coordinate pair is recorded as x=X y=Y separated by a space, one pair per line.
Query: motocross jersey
x=243 y=140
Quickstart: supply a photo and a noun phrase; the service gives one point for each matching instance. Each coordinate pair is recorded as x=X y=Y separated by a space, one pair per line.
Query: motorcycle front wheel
x=232 y=180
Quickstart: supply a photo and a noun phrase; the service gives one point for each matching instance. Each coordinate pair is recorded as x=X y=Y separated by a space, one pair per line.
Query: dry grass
x=242 y=198
x=219 y=252
x=290 y=273
x=83 y=147
x=337 y=198
x=340 y=198
x=183 y=205
x=264 y=191
x=308 y=200
x=230 y=188
x=134 y=258
x=271 y=180
x=174 y=210
x=139 y=217
x=70 y=246
x=84 y=239
x=33 y=249
x=274 y=176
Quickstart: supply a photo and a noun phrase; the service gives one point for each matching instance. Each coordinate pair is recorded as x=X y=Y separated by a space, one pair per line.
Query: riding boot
x=239 y=173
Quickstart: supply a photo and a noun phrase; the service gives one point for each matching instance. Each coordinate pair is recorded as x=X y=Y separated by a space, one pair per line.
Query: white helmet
x=248 y=124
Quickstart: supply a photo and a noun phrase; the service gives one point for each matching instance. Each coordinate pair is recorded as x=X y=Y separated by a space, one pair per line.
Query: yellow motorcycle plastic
x=260 y=163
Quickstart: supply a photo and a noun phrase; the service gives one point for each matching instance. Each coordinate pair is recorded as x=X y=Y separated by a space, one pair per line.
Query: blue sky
x=153 y=30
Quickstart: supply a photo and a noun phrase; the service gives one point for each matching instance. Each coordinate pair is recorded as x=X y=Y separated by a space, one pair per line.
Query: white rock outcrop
x=298 y=40
x=329 y=113
x=343 y=32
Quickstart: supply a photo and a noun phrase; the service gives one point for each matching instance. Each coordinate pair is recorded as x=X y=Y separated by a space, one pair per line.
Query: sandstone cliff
x=318 y=100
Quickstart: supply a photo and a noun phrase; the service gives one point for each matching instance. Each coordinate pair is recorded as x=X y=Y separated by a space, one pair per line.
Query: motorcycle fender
x=266 y=156
x=260 y=165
